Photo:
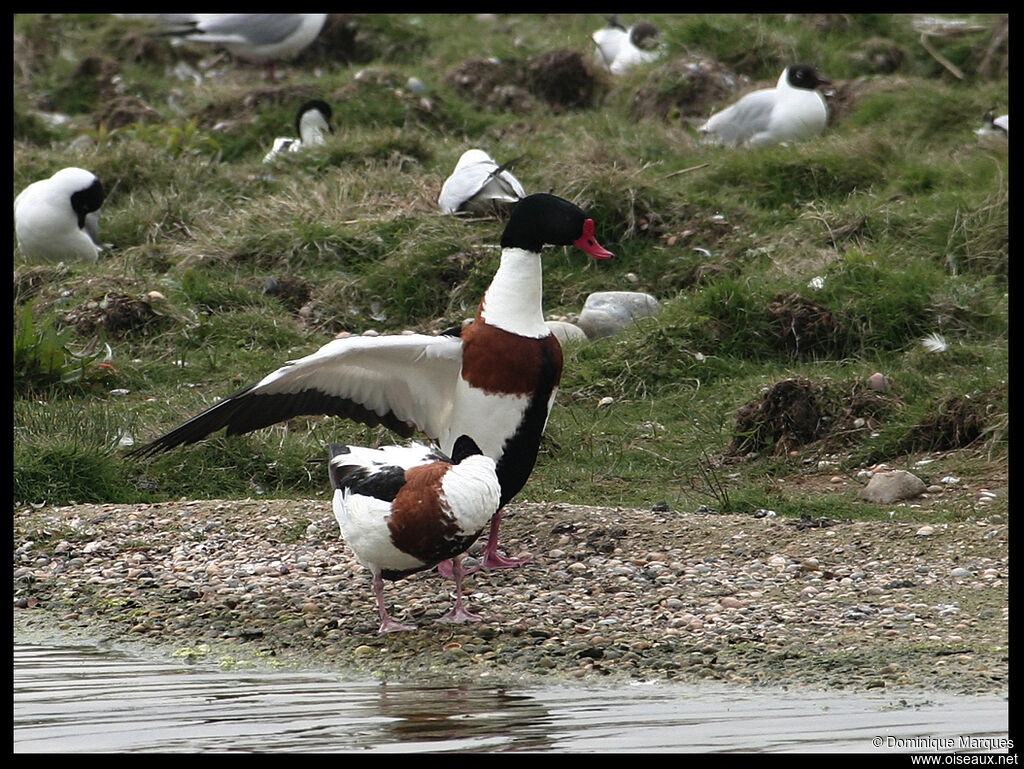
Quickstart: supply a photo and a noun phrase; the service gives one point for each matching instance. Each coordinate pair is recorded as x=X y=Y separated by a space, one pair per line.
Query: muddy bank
x=612 y=595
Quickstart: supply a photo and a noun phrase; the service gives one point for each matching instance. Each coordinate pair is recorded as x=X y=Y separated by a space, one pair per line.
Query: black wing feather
x=243 y=412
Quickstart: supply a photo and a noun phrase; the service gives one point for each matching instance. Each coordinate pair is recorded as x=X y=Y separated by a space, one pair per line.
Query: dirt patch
x=293 y=292
x=562 y=79
x=803 y=327
x=351 y=38
x=955 y=423
x=115 y=313
x=685 y=88
x=125 y=111
x=559 y=78
x=786 y=416
x=795 y=412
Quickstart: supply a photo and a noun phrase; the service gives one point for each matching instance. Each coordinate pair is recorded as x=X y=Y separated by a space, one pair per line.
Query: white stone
x=566 y=332
x=606 y=313
x=892 y=486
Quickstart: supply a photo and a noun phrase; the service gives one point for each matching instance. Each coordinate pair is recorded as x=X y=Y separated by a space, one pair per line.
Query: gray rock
x=606 y=313
x=892 y=486
x=566 y=332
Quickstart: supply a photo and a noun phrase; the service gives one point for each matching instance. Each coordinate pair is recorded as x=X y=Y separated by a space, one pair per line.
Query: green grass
x=898 y=215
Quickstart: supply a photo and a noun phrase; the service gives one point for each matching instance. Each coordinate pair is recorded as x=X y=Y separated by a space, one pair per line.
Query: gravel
x=611 y=595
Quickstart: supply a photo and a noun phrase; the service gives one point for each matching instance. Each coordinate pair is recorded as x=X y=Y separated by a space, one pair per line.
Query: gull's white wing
x=464 y=183
x=744 y=119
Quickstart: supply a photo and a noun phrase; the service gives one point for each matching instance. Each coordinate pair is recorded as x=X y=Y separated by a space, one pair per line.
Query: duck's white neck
x=513 y=301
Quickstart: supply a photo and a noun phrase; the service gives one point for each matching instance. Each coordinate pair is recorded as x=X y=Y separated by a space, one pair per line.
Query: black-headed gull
x=56 y=219
x=478 y=184
x=494 y=379
x=620 y=49
x=312 y=124
x=403 y=509
x=794 y=109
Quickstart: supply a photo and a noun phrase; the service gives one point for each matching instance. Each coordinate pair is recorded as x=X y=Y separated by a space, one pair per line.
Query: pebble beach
x=611 y=595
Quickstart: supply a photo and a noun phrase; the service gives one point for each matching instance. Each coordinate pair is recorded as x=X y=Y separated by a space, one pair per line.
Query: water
x=86 y=699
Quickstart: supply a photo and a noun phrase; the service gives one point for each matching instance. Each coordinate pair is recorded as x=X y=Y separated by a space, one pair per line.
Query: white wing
x=482 y=179
x=744 y=119
x=464 y=183
x=282 y=144
x=609 y=41
x=629 y=57
x=402 y=382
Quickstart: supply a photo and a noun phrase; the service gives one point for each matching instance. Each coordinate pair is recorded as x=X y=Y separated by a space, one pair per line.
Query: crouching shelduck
x=494 y=379
x=403 y=509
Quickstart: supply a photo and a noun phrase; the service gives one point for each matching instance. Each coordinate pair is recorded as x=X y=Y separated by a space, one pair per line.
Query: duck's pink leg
x=459 y=613
x=492 y=558
x=387 y=625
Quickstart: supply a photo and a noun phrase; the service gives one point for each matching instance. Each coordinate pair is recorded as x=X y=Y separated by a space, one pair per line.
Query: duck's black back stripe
x=383 y=483
x=519 y=453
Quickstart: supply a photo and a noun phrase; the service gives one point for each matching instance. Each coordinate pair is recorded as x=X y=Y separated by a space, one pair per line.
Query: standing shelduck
x=403 y=509
x=494 y=379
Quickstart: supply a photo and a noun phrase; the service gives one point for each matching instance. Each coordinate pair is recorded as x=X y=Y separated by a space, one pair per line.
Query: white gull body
x=620 y=49
x=56 y=219
x=791 y=111
x=477 y=184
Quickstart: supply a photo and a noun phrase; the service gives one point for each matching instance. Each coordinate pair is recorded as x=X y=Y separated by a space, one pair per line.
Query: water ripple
x=85 y=699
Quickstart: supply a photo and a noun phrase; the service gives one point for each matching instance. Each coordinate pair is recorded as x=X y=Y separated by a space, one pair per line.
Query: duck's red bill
x=588 y=243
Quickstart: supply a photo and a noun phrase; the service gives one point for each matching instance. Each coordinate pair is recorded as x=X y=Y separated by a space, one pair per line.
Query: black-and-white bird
x=794 y=109
x=494 y=379
x=312 y=125
x=478 y=185
x=57 y=219
x=403 y=509
x=620 y=49
x=994 y=131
